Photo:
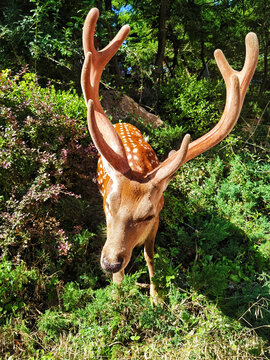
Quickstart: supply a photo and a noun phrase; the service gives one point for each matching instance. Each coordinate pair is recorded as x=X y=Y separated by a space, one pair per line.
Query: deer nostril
x=112 y=267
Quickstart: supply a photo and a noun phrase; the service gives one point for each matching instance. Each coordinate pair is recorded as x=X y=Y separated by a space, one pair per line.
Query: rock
x=122 y=106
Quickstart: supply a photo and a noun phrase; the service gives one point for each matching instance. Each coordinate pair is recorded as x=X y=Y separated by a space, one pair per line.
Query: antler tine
x=245 y=75
x=88 y=37
x=89 y=31
x=85 y=77
x=252 y=54
x=110 y=50
x=168 y=167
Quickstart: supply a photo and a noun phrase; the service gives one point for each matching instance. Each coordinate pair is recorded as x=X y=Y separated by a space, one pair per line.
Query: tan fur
x=131 y=206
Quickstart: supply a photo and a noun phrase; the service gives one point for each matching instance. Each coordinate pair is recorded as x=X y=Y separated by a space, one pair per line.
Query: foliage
x=40 y=33
x=14 y=282
x=47 y=36
x=211 y=257
x=47 y=163
x=191 y=102
x=122 y=322
x=212 y=248
x=218 y=215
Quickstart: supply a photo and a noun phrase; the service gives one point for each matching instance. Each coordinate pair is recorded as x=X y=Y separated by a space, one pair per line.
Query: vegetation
x=212 y=248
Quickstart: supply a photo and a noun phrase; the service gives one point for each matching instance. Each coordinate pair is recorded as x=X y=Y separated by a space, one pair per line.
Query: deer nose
x=112 y=267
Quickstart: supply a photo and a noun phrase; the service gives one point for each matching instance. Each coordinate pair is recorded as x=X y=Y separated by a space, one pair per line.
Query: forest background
x=212 y=248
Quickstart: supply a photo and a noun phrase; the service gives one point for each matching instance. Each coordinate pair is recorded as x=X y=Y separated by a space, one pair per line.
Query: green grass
x=123 y=323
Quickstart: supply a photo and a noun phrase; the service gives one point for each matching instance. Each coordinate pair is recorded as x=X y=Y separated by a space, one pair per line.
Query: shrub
x=13 y=283
x=213 y=217
x=47 y=164
x=195 y=104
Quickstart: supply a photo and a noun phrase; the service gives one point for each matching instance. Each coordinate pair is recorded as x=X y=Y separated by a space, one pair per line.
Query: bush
x=195 y=104
x=214 y=217
x=47 y=164
x=14 y=281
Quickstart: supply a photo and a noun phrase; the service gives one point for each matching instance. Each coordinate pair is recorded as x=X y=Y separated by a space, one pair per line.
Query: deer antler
x=236 y=87
x=93 y=66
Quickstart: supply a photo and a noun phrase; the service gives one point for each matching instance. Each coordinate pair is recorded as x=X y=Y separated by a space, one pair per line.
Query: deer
x=130 y=177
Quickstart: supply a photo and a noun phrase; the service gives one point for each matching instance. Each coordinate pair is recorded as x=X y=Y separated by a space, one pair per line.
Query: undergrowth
x=122 y=323
x=212 y=248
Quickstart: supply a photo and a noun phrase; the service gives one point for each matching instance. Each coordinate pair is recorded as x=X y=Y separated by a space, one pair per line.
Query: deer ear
x=113 y=159
x=165 y=171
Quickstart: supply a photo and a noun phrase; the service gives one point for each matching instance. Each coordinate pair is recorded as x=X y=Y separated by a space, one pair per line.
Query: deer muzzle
x=111 y=265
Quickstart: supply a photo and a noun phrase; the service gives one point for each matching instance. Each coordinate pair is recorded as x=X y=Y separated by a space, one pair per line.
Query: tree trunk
x=113 y=65
x=265 y=69
x=266 y=45
x=161 y=37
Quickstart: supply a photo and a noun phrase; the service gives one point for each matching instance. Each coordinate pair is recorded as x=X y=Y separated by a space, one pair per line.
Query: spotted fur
x=141 y=157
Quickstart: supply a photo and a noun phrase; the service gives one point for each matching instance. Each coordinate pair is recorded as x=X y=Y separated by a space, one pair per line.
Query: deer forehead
x=131 y=197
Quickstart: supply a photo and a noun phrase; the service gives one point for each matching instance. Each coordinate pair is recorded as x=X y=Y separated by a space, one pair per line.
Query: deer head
x=129 y=175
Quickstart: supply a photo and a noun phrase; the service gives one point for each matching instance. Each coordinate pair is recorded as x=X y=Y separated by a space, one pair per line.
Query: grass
x=121 y=322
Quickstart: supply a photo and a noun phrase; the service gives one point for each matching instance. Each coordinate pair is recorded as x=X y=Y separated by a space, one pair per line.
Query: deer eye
x=148 y=218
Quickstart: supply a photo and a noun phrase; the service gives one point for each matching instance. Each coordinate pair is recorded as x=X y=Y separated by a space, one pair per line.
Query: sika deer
x=130 y=177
